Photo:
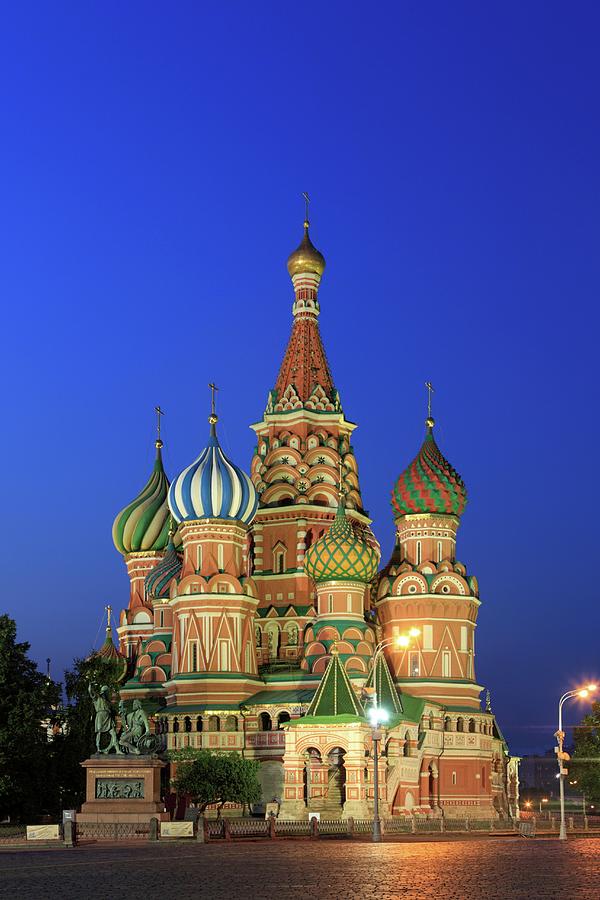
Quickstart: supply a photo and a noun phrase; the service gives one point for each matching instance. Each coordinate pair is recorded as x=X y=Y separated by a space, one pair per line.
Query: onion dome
x=143 y=526
x=341 y=554
x=158 y=580
x=306 y=257
x=212 y=487
x=429 y=484
x=110 y=654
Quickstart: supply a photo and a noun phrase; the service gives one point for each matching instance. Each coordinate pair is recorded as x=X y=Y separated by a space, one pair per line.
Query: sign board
x=314 y=815
x=177 y=829
x=271 y=809
x=43 y=832
x=69 y=815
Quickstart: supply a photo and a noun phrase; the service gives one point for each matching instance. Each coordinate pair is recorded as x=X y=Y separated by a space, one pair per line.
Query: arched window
x=281 y=718
x=214 y=723
x=279 y=566
x=199 y=724
x=447 y=724
x=231 y=723
x=431 y=721
x=175 y=726
x=265 y=722
x=460 y=724
x=187 y=724
x=406 y=749
x=472 y=725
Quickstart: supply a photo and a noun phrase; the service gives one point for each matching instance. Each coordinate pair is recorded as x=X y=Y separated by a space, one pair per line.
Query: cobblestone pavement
x=459 y=870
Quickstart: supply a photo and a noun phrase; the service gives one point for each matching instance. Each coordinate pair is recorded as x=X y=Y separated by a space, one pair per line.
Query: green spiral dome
x=341 y=554
x=143 y=526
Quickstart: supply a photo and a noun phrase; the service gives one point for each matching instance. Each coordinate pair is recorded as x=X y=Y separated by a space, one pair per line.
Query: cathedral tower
x=425 y=587
x=140 y=532
x=302 y=440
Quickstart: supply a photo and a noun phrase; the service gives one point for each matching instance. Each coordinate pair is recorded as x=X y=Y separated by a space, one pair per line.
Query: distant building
x=538 y=773
x=257 y=612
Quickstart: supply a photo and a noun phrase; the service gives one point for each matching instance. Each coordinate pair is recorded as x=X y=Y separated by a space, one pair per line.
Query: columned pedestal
x=122 y=789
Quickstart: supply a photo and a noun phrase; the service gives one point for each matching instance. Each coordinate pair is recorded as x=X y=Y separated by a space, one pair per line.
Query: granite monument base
x=123 y=789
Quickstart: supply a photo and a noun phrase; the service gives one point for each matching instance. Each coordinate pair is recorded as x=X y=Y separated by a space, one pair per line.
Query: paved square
x=493 y=869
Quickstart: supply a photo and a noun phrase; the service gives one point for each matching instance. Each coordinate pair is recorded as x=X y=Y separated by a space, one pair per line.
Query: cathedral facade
x=260 y=620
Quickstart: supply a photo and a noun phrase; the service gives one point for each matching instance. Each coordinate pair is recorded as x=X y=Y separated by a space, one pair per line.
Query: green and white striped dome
x=143 y=526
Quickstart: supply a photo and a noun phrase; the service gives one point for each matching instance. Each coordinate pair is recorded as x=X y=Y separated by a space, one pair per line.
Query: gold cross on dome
x=159 y=412
x=430 y=391
x=213 y=414
x=306 y=205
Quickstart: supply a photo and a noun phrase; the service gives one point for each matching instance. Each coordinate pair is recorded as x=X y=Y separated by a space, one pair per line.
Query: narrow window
x=349 y=602
x=220 y=557
x=427 y=637
x=414 y=665
x=463 y=638
x=418 y=552
x=330 y=603
x=161 y=618
x=446 y=668
x=224 y=654
x=454 y=778
x=440 y=557
x=194 y=657
x=199 y=557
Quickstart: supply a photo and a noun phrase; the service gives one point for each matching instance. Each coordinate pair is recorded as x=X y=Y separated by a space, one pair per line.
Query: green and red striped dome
x=429 y=484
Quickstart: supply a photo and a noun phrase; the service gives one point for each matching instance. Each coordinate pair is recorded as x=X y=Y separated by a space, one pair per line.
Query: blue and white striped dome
x=213 y=488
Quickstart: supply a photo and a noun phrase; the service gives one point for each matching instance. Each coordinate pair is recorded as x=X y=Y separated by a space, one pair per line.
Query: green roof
x=326 y=720
x=264 y=698
x=386 y=693
x=413 y=707
x=334 y=696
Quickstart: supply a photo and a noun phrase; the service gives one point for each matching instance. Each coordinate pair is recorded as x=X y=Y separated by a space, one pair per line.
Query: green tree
x=219 y=778
x=27 y=702
x=585 y=764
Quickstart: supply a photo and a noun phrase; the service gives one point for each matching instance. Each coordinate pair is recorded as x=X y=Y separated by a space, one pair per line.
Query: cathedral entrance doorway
x=336 y=782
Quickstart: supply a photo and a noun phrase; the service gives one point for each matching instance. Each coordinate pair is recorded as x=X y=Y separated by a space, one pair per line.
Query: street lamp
x=543 y=800
x=562 y=756
x=378 y=717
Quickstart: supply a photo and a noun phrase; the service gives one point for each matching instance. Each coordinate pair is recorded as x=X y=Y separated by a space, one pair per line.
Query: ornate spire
x=304 y=379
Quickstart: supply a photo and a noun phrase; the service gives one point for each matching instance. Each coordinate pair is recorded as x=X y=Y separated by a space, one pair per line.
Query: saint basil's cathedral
x=260 y=621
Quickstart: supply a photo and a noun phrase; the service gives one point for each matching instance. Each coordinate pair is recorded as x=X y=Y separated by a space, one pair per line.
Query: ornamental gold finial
x=430 y=422
x=213 y=418
x=306 y=205
x=334 y=650
x=159 y=412
x=108 y=610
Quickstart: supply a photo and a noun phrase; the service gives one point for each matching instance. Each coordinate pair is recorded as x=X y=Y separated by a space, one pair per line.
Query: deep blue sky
x=152 y=161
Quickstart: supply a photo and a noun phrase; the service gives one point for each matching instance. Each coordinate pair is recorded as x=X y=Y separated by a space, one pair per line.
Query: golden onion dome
x=306 y=257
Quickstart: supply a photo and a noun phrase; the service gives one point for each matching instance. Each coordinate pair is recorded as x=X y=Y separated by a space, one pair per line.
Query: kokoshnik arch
x=257 y=605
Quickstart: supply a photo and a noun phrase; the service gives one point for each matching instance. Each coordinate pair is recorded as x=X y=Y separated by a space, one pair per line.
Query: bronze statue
x=104 y=722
